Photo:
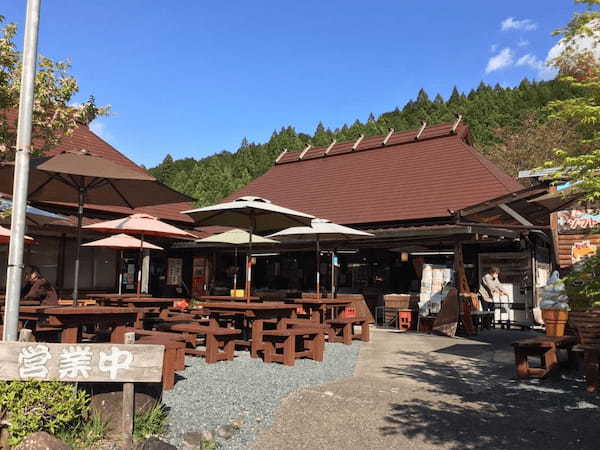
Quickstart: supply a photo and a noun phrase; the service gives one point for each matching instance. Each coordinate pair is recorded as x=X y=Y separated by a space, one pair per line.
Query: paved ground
x=414 y=391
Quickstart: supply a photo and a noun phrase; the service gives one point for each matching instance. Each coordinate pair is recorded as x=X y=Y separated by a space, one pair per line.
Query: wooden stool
x=297 y=343
x=343 y=330
x=544 y=347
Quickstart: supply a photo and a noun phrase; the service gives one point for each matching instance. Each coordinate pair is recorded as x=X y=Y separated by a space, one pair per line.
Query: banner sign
x=81 y=362
x=582 y=250
x=578 y=219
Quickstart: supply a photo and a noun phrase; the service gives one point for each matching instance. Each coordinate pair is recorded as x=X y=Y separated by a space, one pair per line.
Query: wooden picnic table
x=250 y=318
x=228 y=298
x=72 y=319
x=112 y=295
x=317 y=307
x=134 y=302
x=544 y=347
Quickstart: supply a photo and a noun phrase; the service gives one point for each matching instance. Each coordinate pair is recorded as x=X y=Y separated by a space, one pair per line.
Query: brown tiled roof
x=403 y=180
x=84 y=139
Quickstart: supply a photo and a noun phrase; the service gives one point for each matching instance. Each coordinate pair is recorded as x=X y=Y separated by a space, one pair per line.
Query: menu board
x=174 y=267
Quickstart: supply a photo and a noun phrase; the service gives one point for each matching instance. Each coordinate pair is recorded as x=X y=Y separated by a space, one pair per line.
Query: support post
x=128 y=404
x=318 y=262
x=14 y=275
x=78 y=245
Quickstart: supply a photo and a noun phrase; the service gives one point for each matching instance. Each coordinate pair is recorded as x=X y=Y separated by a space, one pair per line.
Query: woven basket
x=587 y=326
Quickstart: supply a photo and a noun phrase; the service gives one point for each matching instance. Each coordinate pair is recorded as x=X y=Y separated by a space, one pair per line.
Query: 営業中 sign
x=81 y=362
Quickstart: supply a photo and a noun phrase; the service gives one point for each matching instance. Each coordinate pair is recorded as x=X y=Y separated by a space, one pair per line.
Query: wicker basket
x=587 y=326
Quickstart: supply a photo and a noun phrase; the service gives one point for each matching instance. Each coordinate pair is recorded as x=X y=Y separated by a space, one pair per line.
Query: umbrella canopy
x=61 y=178
x=5 y=236
x=250 y=213
x=318 y=229
x=321 y=228
x=81 y=177
x=122 y=241
x=35 y=216
x=236 y=237
x=142 y=224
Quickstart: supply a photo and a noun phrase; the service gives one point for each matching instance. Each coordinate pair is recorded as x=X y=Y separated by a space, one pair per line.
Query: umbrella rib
x=50 y=178
x=120 y=194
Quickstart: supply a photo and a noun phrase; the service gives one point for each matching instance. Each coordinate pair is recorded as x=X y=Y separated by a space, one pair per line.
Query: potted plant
x=582 y=286
x=555 y=307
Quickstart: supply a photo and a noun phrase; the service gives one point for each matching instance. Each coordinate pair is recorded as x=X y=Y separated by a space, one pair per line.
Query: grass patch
x=87 y=433
x=150 y=423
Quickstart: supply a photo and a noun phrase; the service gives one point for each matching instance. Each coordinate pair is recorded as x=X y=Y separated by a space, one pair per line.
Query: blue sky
x=192 y=78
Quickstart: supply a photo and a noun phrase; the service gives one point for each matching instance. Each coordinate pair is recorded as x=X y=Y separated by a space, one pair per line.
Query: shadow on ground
x=472 y=403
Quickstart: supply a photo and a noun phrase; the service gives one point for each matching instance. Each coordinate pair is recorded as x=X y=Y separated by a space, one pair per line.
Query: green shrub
x=87 y=433
x=51 y=406
x=150 y=423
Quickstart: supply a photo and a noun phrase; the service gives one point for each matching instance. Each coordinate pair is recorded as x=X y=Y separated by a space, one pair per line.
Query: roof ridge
x=436 y=131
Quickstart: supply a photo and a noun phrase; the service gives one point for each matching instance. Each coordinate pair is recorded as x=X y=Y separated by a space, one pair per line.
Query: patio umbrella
x=121 y=242
x=321 y=228
x=236 y=238
x=143 y=225
x=80 y=178
x=34 y=216
x=254 y=214
x=5 y=236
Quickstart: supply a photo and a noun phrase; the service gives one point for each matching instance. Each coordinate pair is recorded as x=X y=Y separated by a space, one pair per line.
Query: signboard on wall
x=199 y=276
x=578 y=219
x=581 y=250
x=174 y=267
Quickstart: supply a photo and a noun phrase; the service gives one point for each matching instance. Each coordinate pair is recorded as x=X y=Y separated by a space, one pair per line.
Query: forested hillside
x=495 y=115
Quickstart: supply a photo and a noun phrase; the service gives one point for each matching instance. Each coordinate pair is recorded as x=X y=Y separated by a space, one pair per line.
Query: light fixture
x=404 y=256
x=347 y=252
x=265 y=254
x=431 y=253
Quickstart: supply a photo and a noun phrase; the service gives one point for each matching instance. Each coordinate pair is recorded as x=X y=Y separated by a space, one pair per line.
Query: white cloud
x=503 y=59
x=511 y=23
x=522 y=43
x=543 y=71
x=99 y=128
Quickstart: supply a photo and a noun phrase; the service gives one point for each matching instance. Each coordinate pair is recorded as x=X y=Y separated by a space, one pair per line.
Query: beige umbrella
x=83 y=178
x=5 y=236
x=254 y=214
x=318 y=229
x=144 y=225
x=121 y=242
x=236 y=238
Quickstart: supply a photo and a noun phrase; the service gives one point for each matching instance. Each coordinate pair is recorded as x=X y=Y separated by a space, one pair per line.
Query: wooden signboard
x=81 y=362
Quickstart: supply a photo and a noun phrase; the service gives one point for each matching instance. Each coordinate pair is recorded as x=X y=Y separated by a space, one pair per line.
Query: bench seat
x=295 y=343
x=343 y=329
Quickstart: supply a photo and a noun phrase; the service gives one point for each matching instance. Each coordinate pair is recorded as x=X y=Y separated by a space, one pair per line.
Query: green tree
x=53 y=115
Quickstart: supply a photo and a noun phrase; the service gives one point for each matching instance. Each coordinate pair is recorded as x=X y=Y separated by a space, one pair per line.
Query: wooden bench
x=173 y=360
x=310 y=324
x=297 y=343
x=343 y=330
x=544 y=347
x=215 y=338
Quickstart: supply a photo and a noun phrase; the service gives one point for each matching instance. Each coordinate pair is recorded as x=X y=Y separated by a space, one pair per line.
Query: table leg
x=118 y=334
x=69 y=335
x=592 y=366
x=521 y=364
x=256 y=344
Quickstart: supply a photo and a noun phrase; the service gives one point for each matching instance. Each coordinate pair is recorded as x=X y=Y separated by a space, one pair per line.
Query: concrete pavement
x=419 y=391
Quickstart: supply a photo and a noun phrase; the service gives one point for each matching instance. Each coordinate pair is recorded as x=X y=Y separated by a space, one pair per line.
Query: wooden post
x=128 y=403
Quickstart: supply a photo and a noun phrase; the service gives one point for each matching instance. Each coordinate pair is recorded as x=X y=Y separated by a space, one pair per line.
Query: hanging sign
x=578 y=219
x=174 y=267
x=199 y=276
x=81 y=362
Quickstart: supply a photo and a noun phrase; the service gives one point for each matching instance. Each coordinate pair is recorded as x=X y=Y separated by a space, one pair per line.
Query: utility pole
x=14 y=274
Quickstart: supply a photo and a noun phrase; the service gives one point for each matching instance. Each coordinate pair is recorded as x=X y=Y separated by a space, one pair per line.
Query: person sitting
x=40 y=288
x=490 y=285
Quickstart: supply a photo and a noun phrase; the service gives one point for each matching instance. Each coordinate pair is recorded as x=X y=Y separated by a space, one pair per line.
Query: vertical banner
x=199 y=276
x=174 y=266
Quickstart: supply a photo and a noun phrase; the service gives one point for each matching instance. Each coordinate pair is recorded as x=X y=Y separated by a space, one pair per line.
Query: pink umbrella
x=5 y=236
x=122 y=241
x=144 y=225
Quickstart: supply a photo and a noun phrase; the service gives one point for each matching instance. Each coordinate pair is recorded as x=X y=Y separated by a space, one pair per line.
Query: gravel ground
x=211 y=395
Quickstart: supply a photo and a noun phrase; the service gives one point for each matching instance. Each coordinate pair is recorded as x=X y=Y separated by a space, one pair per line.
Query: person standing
x=39 y=287
x=490 y=285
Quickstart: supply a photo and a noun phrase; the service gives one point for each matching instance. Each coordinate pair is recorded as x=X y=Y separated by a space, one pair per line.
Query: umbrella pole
x=78 y=248
x=121 y=274
x=236 y=269
x=140 y=263
x=249 y=266
x=318 y=268
x=333 y=273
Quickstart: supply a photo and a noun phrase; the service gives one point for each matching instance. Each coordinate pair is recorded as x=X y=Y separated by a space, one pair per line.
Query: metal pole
x=121 y=274
x=236 y=269
x=333 y=273
x=249 y=262
x=14 y=274
x=140 y=262
x=318 y=262
x=78 y=248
